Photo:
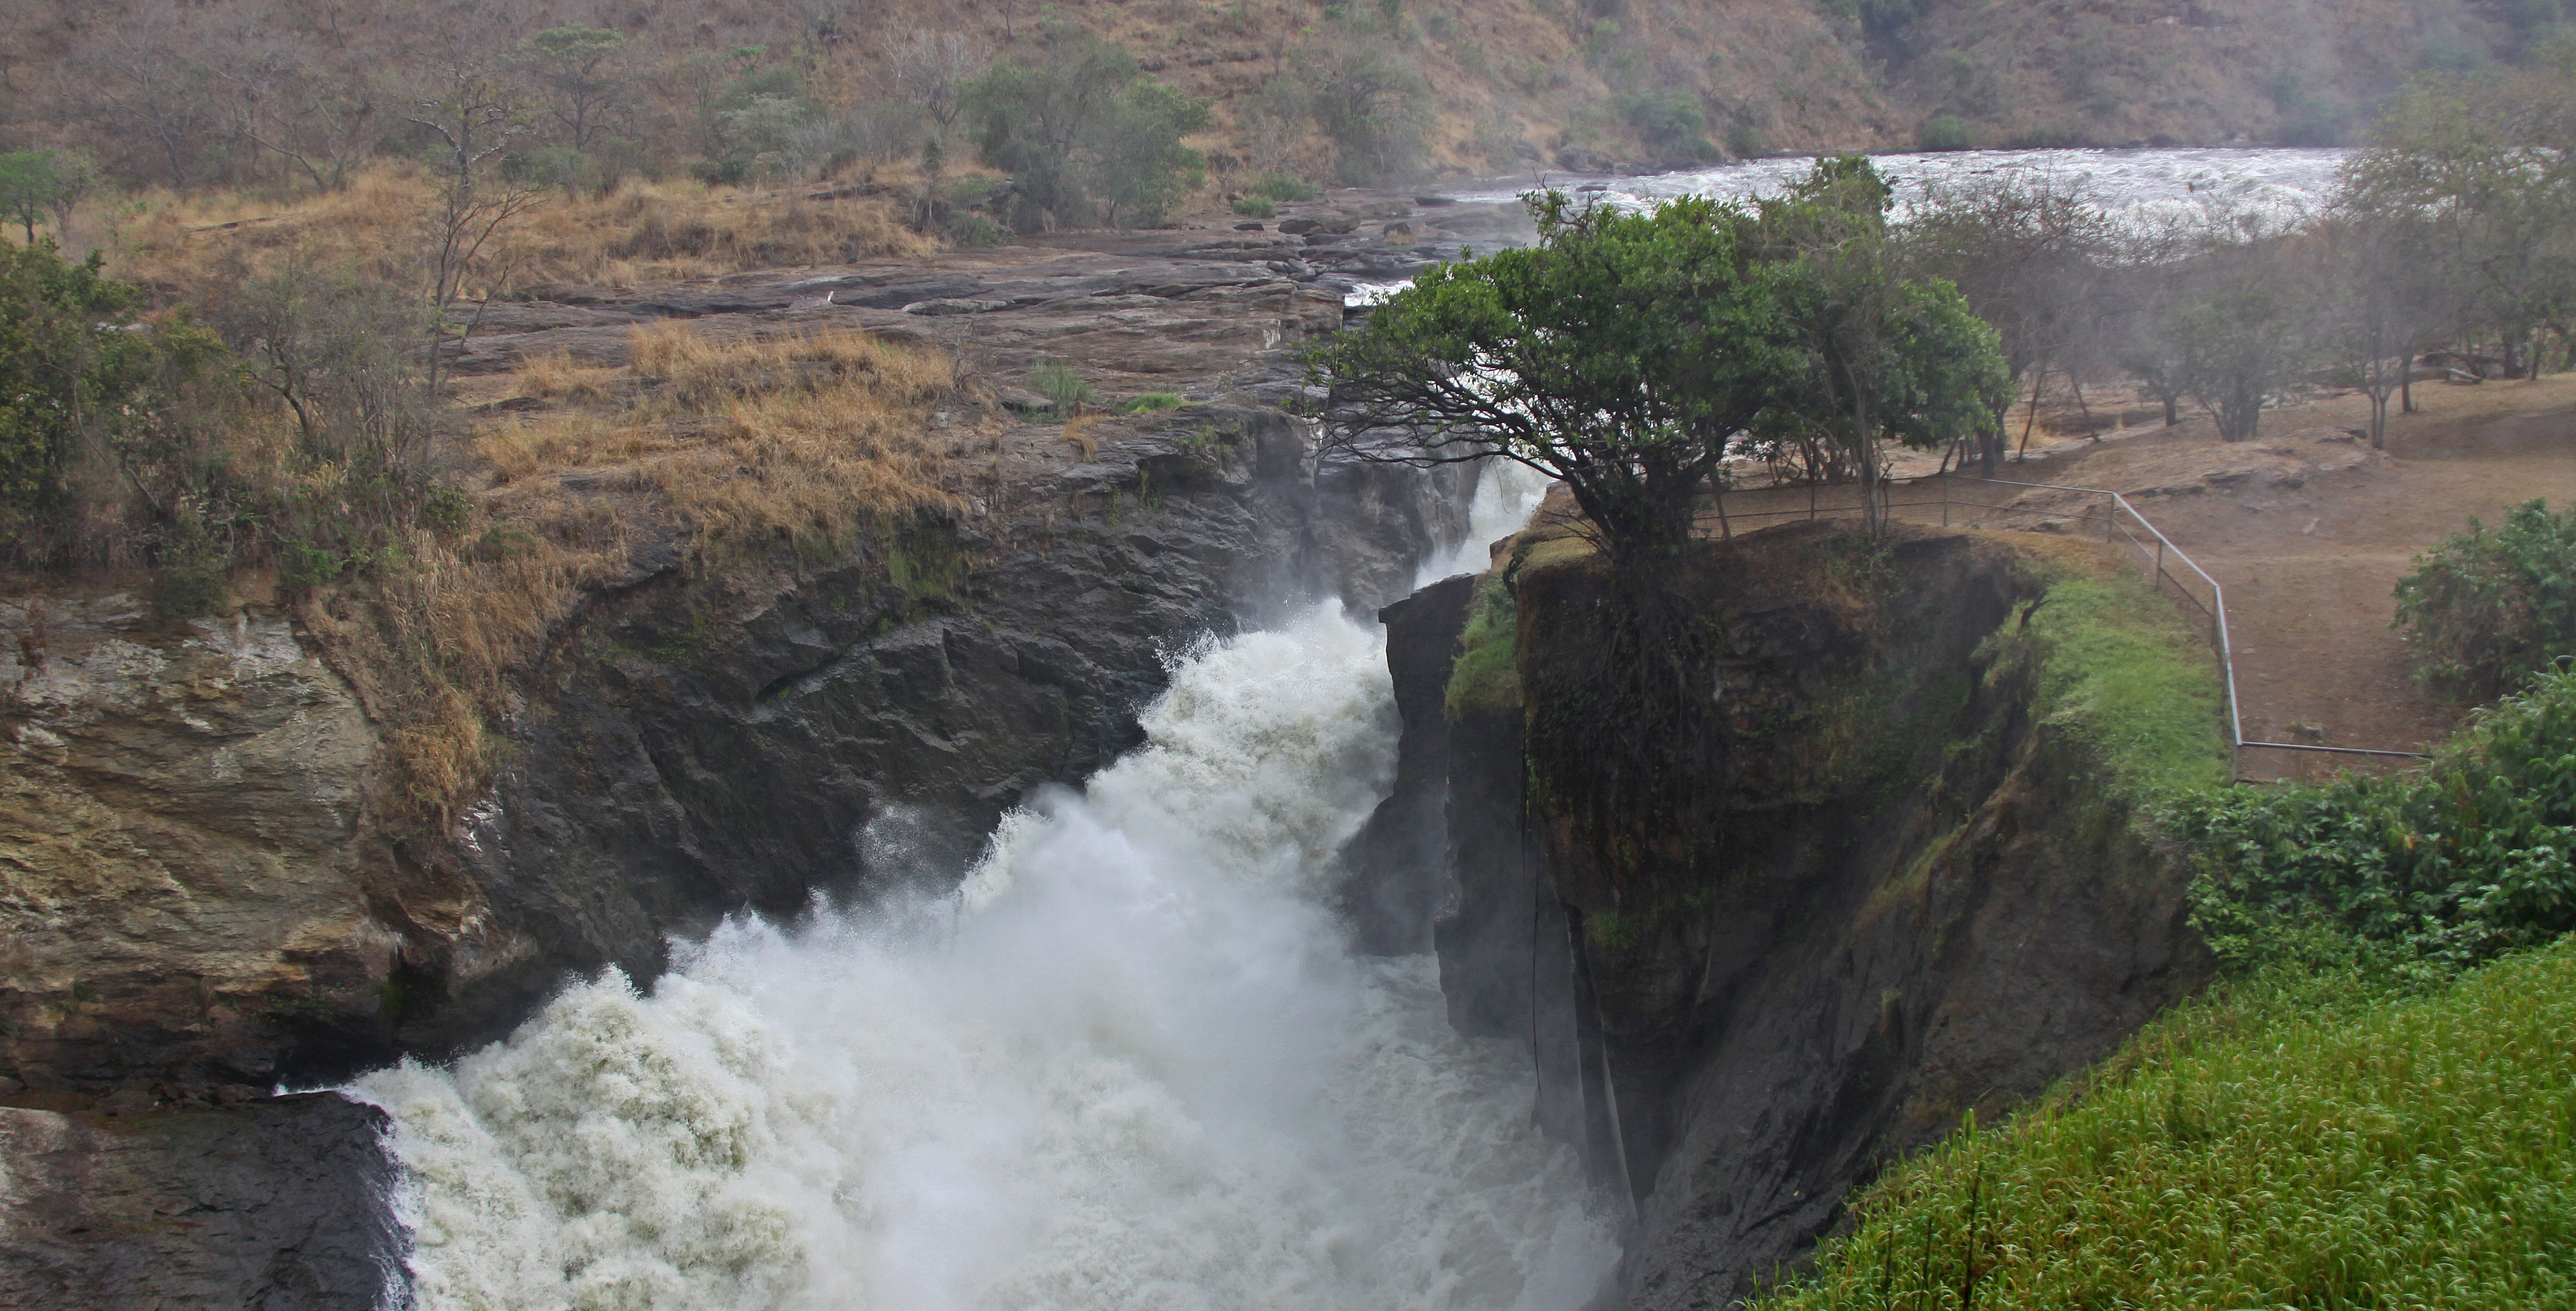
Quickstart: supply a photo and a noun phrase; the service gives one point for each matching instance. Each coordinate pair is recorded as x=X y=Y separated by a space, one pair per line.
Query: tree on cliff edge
x=1621 y=355
x=1627 y=353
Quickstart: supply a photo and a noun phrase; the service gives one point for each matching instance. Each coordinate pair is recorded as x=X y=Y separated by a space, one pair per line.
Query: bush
x=2483 y=610
x=1669 y=123
x=1153 y=401
x=1086 y=137
x=1371 y=105
x=1064 y=389
x=1259 y=207
x=2424 y=872
x=1945 y=132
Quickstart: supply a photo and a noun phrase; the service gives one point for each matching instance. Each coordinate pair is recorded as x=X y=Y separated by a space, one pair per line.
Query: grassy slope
x=2124 y=674
x=1503 y=76
x=2318 y=1140
x=2289 y=1143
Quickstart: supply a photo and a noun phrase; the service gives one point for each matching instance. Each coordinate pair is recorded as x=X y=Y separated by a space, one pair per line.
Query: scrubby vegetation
x=2485 y=610
x=2431 y=870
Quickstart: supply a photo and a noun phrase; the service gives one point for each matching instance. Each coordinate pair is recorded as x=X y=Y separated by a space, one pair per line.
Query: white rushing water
x=2278 y=183
x=2276 y=180
x=1130 y=1066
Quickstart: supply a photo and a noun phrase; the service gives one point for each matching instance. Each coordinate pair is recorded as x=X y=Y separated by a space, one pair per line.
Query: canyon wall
x=202 y=899
x=1907 y=886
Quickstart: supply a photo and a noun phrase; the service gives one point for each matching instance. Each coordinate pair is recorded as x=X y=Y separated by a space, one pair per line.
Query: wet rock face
x=183 y=871
x=196 y=900
x=278 y=1206
x=836 y=731
x=1740 y=1010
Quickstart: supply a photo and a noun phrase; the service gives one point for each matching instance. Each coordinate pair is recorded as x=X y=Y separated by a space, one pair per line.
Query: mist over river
x=1128 y=1065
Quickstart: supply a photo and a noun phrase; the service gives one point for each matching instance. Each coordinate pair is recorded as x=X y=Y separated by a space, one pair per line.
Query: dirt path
x=2310 y=558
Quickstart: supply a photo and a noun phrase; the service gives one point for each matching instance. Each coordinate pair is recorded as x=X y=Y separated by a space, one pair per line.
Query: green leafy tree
x=1086 y=136
x=63 y=364
x=581 y=66
x=1884 y=356
x=1621 y=356
x=42 y=185
x=88 y=428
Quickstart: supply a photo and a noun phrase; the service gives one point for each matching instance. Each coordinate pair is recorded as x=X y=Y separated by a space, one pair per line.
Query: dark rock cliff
x=1899 y=895
x=713 y=745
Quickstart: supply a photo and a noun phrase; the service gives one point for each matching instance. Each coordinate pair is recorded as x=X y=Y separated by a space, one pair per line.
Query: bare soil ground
x=2310 y=556
x=2308 y=530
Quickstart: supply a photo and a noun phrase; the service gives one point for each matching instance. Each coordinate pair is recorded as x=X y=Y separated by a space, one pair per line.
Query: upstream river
x=2128 y=182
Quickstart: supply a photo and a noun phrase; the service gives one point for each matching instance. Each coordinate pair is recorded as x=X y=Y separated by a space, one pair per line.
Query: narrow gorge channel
x=1130 y=1063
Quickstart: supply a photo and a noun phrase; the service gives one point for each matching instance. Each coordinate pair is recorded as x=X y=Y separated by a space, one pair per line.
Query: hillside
x=290 y=92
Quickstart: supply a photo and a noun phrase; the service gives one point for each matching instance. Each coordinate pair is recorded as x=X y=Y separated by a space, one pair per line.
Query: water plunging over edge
x=1130 y=1065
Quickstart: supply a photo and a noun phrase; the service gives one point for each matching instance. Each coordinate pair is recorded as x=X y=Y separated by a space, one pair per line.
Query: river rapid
x=1129 y=1064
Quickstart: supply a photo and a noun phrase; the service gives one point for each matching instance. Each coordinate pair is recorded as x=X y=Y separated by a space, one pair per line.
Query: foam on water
x=1130 y=1066
x=2146 y=184
x=2272 y=179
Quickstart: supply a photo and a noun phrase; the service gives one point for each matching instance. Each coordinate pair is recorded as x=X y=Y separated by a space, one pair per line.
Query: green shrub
x=1260 y=207
x=2484 y=610
x=1945 y=132
x=1283 y=188
x=1152 y=401
x=2300 y=1142
x=1669 y=123
x=1486 y=678
x=1372 y=105
x=1087 y=137
x=2426 y=871
x=1064 y=389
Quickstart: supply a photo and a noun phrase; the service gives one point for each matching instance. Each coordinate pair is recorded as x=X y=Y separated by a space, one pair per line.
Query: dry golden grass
x=805 y=436
x=431 y=647
x=800 y=440
x=1077 y=431
x=556 y=377
x=670 y=231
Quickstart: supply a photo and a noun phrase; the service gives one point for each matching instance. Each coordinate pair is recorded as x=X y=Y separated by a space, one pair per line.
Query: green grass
x=1486 y=677
x=1151 y=401
x=1258 y=207
x=2304 y=1141
x=2124 y=672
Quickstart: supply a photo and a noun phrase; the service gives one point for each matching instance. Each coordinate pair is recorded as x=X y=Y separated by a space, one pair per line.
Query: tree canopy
x=1086 y=134
x=1628 y=354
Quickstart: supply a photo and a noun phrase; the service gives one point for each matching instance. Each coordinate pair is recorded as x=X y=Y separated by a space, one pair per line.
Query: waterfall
x=1129 y=1065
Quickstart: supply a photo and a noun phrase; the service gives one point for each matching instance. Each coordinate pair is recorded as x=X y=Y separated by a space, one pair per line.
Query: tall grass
x=183 y=246
x=2300 y=1142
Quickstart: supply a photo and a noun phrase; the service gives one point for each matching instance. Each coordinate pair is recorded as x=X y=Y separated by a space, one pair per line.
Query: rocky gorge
x=207 y=896
x=1913 y=885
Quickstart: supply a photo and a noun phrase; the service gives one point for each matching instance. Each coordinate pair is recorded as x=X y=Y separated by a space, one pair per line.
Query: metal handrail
x=2216 y=609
